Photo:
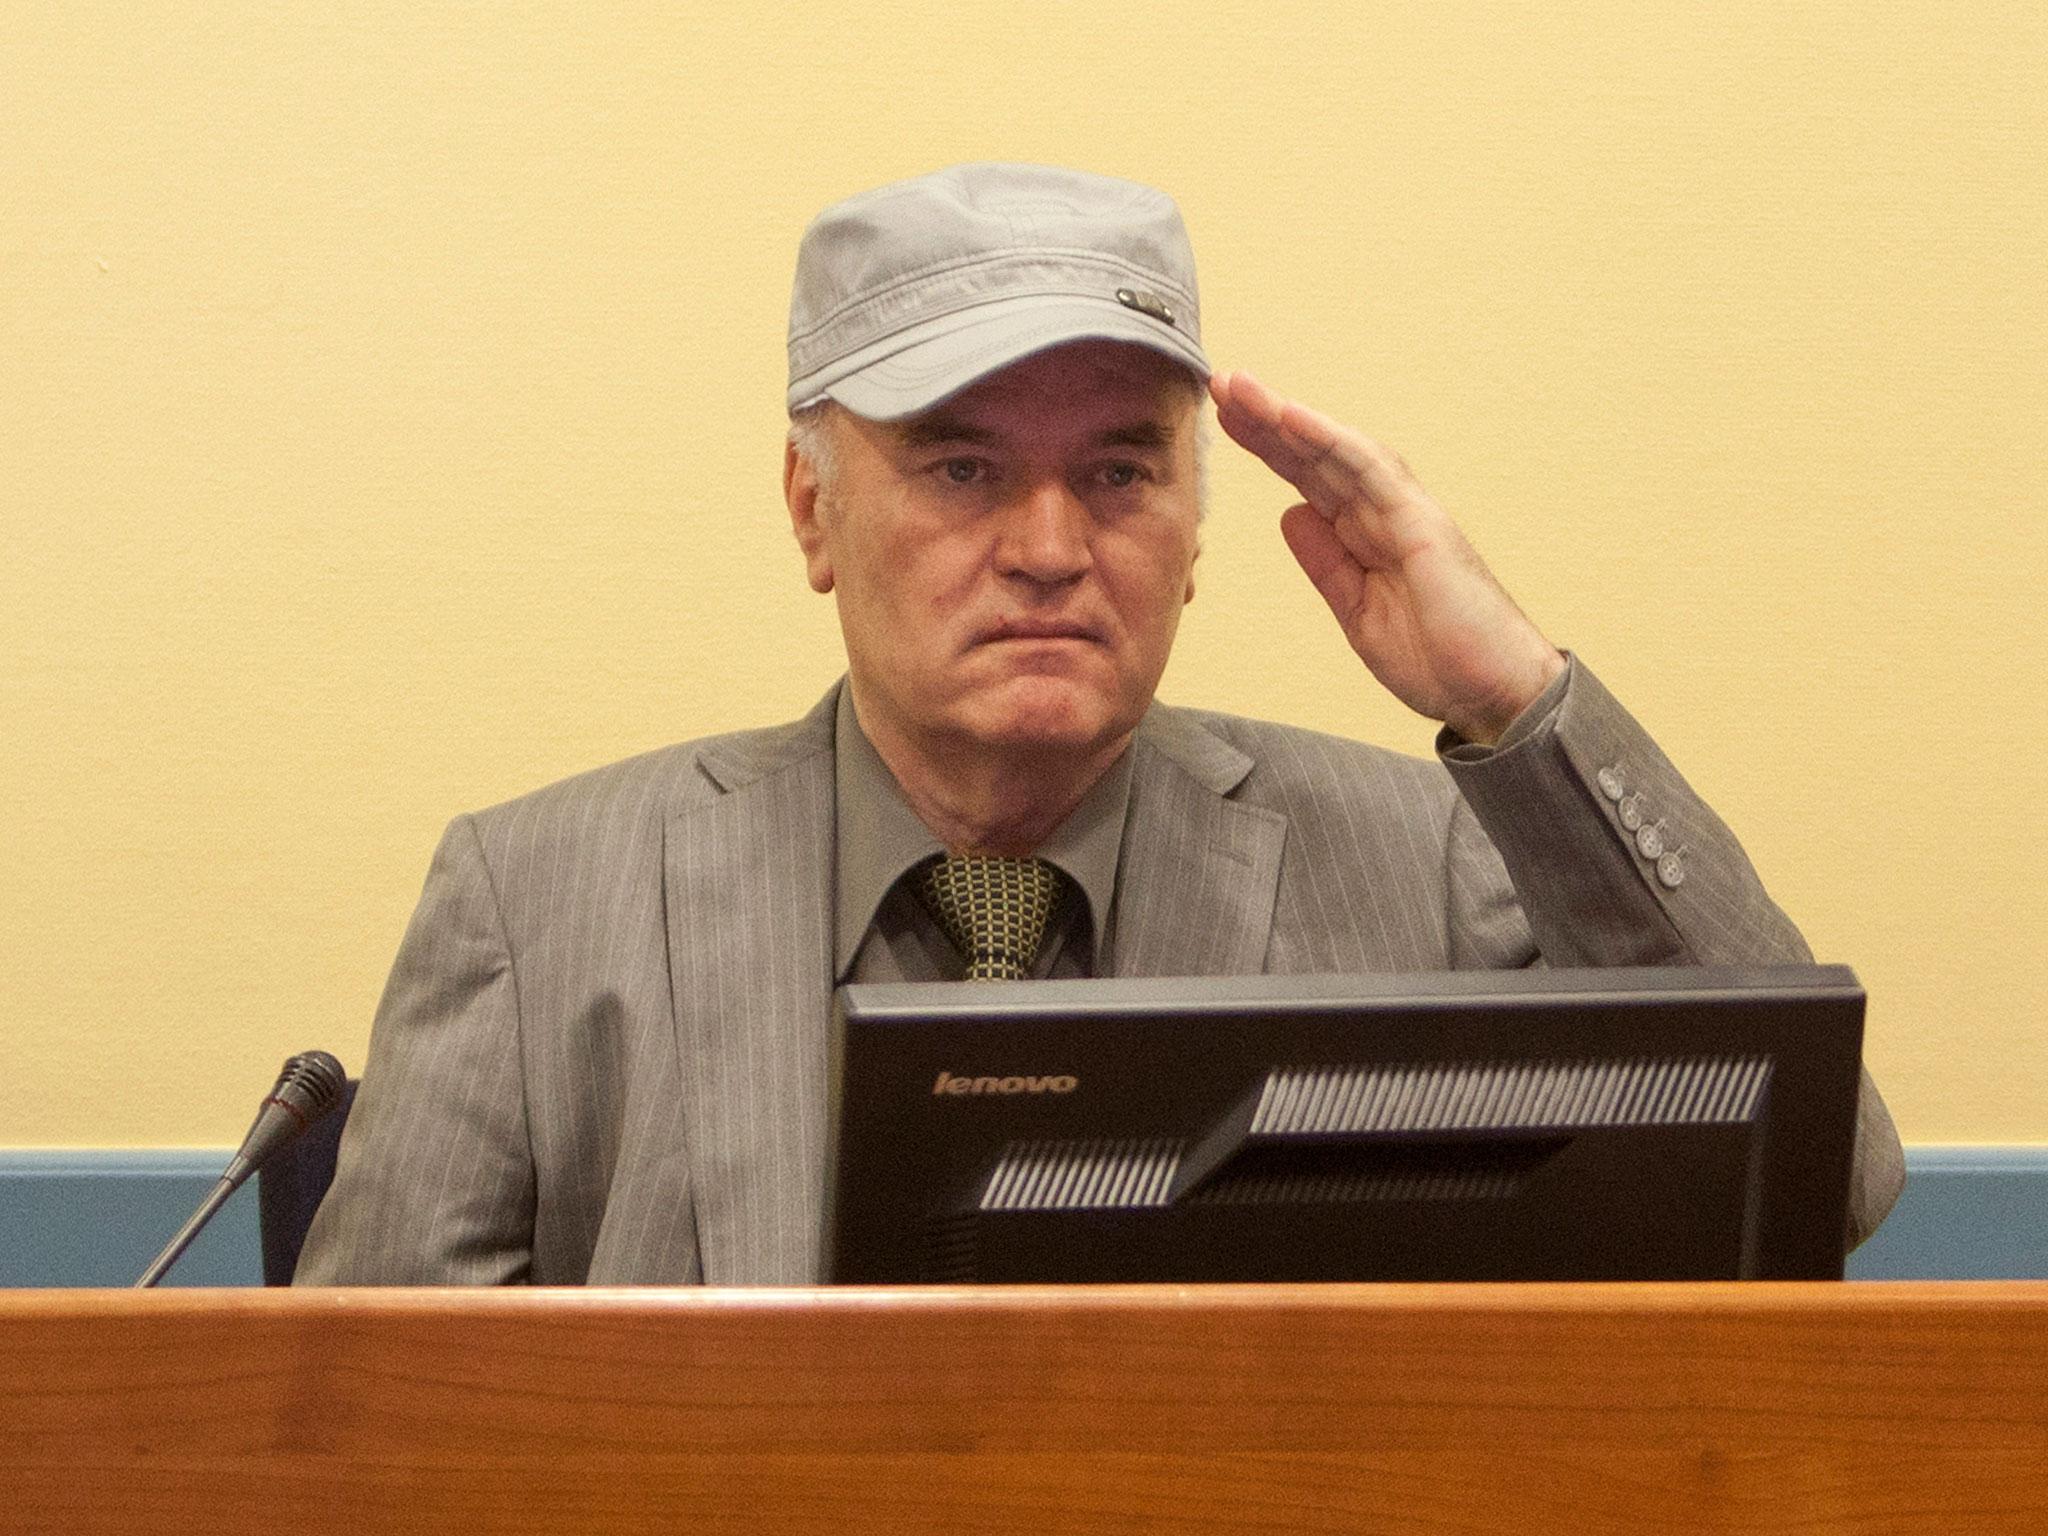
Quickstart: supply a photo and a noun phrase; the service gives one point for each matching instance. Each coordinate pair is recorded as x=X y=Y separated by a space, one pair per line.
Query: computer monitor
x=1626 y=1124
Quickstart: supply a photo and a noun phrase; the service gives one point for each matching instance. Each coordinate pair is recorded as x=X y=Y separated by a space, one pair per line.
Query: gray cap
x=909 y=293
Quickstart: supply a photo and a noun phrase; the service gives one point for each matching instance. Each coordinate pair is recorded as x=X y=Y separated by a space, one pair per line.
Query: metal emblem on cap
x=1145 y=302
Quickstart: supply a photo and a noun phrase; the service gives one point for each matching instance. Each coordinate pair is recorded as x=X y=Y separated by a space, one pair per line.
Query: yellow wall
x=390 y=421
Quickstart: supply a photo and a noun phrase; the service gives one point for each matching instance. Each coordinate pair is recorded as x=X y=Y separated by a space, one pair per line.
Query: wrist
x=1485 y=723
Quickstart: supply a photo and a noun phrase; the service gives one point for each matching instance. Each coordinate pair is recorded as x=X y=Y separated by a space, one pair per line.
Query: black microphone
x=309 y=1086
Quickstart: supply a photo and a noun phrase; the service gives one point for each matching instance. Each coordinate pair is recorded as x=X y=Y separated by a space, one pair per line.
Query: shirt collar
x=879 y=837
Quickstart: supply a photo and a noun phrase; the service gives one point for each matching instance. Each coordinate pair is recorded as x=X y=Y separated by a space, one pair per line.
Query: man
x=601 y=1056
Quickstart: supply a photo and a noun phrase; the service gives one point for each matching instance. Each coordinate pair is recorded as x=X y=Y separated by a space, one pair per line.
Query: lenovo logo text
x=948 y=1084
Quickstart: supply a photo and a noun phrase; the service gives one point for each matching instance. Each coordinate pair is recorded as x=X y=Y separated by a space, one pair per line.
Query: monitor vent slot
x=1291 y=1172
x=1082 y=1175
x=952 y=1252
x=1510 y=1096
x=1354 y=1189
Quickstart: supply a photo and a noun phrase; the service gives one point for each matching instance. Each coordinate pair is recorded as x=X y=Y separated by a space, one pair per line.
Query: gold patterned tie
x=995 y=910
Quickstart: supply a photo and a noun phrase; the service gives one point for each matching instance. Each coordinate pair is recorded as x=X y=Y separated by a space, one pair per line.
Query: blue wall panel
x=1968 y=1213
x=98 y=1218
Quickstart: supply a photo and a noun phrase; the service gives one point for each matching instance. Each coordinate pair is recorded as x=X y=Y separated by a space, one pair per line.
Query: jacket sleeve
x=1577 y=843
x=435 y=1184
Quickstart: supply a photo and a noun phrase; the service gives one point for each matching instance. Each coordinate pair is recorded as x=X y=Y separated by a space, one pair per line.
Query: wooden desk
x=1584 y=1409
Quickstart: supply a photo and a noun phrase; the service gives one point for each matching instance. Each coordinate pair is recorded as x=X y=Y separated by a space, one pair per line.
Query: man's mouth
x=1039 y=629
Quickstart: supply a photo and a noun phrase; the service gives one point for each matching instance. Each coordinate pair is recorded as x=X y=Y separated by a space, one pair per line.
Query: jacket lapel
x=1199 y=872
x=748 y=882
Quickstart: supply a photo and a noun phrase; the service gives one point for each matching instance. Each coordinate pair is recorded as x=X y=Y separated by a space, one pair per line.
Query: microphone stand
x=310 y=1086
x=177 y=1245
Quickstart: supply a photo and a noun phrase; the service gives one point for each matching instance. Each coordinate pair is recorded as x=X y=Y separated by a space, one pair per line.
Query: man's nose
x=1046 y=536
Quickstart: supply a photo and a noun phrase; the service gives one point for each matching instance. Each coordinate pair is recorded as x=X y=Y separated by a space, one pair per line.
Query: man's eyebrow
x=934 y=430
x=940 y=429
x=1139 y=434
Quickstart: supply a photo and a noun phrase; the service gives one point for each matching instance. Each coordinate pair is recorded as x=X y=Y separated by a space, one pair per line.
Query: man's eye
x=1121 y=476
x=962 y=471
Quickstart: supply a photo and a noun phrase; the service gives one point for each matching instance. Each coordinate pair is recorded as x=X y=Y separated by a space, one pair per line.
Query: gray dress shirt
x=884 y=933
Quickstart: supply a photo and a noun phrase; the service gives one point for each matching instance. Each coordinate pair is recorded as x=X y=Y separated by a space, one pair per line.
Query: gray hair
x=815 y=437
x=816 y=440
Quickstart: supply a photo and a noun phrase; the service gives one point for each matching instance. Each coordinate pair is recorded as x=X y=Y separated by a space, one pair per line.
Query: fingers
x=1330 y=464
x=1323 y=558
x=1255 y=418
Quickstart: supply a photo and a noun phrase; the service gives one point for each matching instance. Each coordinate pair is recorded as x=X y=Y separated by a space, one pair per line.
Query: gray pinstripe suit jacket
x=601 y=1054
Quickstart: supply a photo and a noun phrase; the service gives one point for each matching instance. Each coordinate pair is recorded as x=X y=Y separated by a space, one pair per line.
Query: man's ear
x=1193 y=560
x=806 y=516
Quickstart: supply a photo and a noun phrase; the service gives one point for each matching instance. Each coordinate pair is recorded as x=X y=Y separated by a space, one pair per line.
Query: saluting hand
x=1415 y=600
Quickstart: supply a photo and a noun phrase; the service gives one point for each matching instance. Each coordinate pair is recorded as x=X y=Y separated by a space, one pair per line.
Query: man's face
x=1010 y=566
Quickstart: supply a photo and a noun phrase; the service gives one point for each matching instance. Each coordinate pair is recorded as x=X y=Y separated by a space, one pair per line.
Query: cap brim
x=917 y=369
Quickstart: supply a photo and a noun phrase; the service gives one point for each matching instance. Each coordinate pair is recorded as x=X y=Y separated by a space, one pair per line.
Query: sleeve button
x=1631 y=812
x=1671 y=871
x=1609 y=780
